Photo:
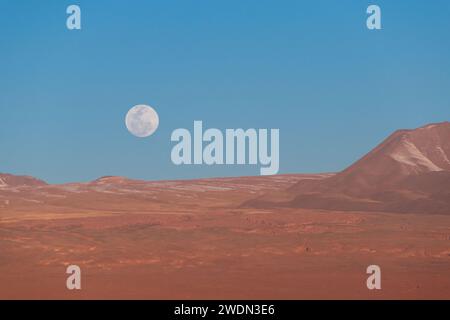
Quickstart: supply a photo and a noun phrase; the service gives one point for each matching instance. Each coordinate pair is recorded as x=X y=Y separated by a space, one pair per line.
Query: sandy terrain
x=207 y=250
x=279 y=237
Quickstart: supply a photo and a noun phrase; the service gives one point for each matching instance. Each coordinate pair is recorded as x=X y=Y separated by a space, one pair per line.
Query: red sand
x=279 y=237
x=183 y=248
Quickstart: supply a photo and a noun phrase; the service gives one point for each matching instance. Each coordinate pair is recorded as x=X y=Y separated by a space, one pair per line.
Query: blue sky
x=310 y=68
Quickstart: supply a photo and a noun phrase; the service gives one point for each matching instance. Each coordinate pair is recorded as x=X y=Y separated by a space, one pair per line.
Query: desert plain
x=194 y=243
x=299 y=236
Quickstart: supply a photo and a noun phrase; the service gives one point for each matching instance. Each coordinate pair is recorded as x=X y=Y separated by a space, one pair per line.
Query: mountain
x=407 y=172
x=9 y=180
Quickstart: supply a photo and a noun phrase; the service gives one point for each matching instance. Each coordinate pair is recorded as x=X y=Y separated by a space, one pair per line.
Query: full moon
x=142 y=121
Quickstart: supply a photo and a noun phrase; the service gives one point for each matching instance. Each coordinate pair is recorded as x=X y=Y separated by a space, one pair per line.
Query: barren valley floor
x=225 y=254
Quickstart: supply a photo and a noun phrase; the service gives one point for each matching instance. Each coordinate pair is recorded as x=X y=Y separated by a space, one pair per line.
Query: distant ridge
x=9 y=180
x=409 y=172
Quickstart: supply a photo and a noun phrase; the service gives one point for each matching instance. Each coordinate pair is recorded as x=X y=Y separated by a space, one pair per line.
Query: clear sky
x=310 y=68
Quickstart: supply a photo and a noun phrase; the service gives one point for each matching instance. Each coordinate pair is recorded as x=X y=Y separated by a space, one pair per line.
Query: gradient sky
x=311 y=68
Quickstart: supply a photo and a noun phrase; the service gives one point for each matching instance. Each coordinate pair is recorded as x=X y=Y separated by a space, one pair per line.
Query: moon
x=142 y=121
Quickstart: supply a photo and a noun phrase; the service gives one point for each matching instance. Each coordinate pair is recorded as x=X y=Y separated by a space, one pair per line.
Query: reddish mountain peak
x=407 y=152
x=9 y=180
x=408 y=172
x=436 y=125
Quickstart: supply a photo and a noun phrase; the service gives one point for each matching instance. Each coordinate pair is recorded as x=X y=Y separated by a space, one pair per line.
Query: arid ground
x=278 y=237
x=178 y=247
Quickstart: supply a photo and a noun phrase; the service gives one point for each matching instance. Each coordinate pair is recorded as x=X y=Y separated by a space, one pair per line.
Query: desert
x=293 y=236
